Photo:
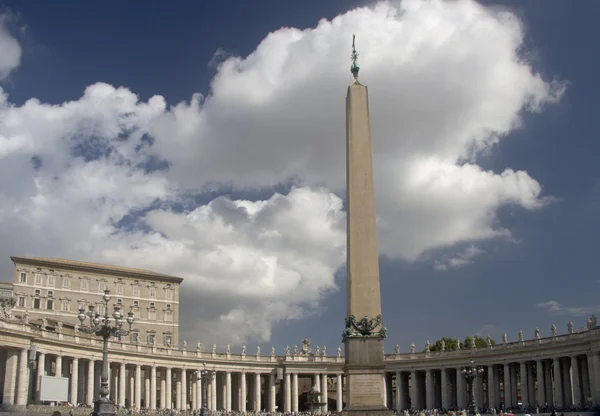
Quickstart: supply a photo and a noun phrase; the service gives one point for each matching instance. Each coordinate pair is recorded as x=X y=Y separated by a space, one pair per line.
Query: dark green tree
x=479 y=342
x=451 y=344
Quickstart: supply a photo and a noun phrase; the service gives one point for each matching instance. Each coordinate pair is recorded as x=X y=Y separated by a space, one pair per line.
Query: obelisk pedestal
x=364 y=333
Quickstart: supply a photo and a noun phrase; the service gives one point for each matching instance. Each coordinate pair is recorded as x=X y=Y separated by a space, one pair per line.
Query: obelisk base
x=364 y=371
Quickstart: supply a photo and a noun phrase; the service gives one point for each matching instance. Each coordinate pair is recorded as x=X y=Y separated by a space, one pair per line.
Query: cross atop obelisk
x=364 y=333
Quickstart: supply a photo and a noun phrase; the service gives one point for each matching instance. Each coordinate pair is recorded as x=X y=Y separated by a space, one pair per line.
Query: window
x=119 y=288
x=136 y=290
x=23 y=278
x=136 y=303
x=50 y=304
x=150 y=339
x=36 y=303
x=65 y=305
x=101 y=286
x=167 y=340
x=66 y=282
x=168 y=316
x=84 y=285
x=38 y=279
x=120 y=301
x=51 y=280
x=152 y=292
x=81 y=305
x=21 y=301
x=100 y=308
x=50 y=293
x=37 y=292
x=168 y=306
x=152 y=315
x=134 y=338
x=169 y=293
x=152 y=305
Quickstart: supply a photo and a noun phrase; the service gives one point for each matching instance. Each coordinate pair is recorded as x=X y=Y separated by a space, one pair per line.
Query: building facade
x=51 y=291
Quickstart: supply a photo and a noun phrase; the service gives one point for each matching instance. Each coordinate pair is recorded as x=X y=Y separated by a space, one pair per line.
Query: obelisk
x=364 y=333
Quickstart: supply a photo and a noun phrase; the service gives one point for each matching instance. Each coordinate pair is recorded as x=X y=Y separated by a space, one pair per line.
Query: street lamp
x=206 y=377
x=470 y=373
x=101 y=327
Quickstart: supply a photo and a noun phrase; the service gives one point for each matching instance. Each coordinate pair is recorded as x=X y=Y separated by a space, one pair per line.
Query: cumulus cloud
x=557 y=308
x=10 y=50
x=110 y=178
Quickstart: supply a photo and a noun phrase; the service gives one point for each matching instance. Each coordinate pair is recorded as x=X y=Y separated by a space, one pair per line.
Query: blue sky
x=463 y=251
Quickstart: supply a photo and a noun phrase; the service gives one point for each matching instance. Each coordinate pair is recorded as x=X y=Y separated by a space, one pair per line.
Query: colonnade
x=562 y=382
x=156 y=386
x=561 y=371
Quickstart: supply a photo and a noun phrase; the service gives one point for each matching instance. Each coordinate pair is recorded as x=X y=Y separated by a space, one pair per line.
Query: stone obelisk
x=364 y=333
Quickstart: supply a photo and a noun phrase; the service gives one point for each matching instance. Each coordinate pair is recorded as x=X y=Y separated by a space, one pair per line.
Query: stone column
x=385 y=390
x=23 y=380
x=199 y=390
x=209 y=395
x=257 y=403
x=213 y=392
x=480 y=401
x=228 y=391
x=122 y=384
x=184 y=389
x=339 y=394
x=169 y=388
x=507 y=388
x=90 y=383
x=429 y=389
x=163 y=391
x=596 y=360
x=138 y=386
x=243 y=399
x=540 y=383
x=287 y=397
x=398 y=403
x=586 y=388
x=193 y=393
x=10 y=378
x=548 y=385
x=531 y=384
x=153 y=388
x=491 y=389
x=272 y=392
x=178 y=390
x=41 y=366
x=558 y=391
x=514 y=393
x=524 y=384
x=131 y=387
x=74 y=381
x=414 y=391
x=146 y=388
x=567 y=383
x=593 y=376
x=295 y=392
x=223 y=391
x=58 y=366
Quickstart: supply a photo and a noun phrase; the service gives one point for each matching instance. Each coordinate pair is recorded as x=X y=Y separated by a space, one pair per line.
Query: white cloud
x=10 y=50
x=457 y=260
x=557 y=308
x=446 y=82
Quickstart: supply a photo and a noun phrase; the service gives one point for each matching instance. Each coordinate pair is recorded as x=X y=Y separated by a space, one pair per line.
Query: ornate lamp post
x=206 y=377
x=470 y=373
x=101 y=327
